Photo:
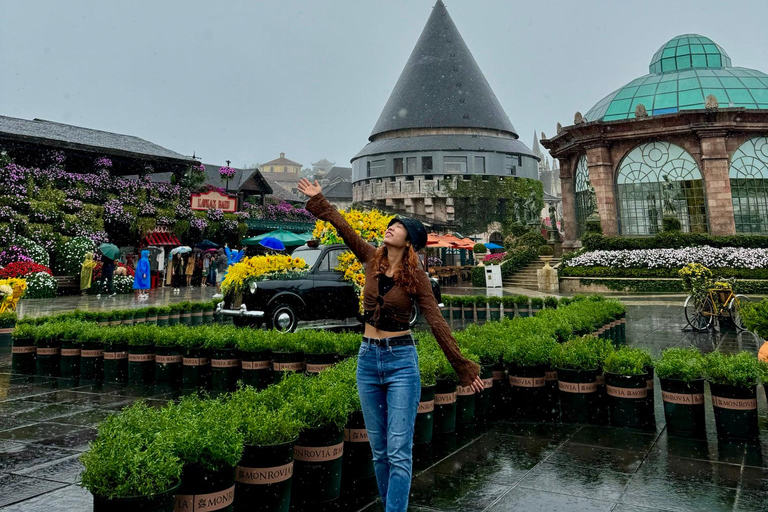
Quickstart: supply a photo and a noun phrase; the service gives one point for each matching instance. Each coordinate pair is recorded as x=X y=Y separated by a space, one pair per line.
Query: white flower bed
x=730 y=257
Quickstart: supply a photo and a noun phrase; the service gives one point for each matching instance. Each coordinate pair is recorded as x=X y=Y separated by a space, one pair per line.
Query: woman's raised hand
x=307 y=188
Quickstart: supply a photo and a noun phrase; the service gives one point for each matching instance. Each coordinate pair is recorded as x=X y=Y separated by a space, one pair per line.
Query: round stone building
x=442 y=119
x=686 y=140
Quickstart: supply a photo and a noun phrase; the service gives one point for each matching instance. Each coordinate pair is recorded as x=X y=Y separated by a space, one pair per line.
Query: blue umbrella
x=491 y=245
x=272 y=243
x=207 y=244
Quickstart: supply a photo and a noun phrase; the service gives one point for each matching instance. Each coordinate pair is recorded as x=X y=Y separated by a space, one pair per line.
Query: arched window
x=585 y=196
x=660 y=179
x=749 y=186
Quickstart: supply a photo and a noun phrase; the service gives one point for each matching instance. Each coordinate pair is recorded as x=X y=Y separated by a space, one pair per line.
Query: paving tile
x=71 y=498
x=554 y=431
x=16 y=456
x=75 y=439
x=531 y=500
x=608 y=437
x=695 y=471
x=623 y=507
x=38 y=432
x=595 y=457
x=16 y=488
x=65 y=470
x=50 y=411
x=87 y=418
x=679 y=495
x=577 y=481
x=703 y=449
x=497 y=458
x=450 y=493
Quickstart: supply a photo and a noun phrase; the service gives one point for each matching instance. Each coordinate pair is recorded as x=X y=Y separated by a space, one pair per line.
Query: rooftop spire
x=442 y=85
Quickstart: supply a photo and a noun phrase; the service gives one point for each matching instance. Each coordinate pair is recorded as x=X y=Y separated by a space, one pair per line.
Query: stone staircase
x=526 y=277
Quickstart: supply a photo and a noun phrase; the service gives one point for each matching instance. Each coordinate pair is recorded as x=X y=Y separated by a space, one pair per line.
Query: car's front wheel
x=414 y=315
x=283 y=317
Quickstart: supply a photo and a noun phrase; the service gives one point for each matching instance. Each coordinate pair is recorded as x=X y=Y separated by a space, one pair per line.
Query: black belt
x=394 y=341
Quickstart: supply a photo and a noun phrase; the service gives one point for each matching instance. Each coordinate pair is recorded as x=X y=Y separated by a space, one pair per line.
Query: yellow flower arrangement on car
x=371 y=226
x=11 y=290
x=259 y=268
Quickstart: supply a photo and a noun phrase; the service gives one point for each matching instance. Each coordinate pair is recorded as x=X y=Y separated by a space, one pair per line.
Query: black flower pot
x=683 y=405
x=578 y=395
x=23 y=353
x=319 y=362
x=257 y=368
x=735 y=411
x=528 y=389
x=650 y=419
x=550 y=404
x=264 y=478
x=141 y=364
x=69 y=367
x=225 y=369
x=445 y=407
x=318 y=465
x=425 y=416
x=484 y=399
x=48 y=358
x=283 y=362
x=466 y=403
x=500 y=392
x=162 y=320
x=168 y=366
x=116 y=363
x=196 y=318
x=602 y=399
x=196 y=368
x=185 y=318
x=161 y=502
x=627 y=399
x=203 y=489
x=358 y=457
x=92 y=362
x=173 y=319
x=6 y=328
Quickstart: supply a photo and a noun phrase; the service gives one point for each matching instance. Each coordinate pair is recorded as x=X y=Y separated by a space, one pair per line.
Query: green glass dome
x=683 y=73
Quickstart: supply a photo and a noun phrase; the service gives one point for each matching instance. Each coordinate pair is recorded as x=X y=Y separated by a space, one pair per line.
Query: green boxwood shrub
x=576 y=354
x=755 y=317
x=740 y=369
x=627 y=361
x=685 y=364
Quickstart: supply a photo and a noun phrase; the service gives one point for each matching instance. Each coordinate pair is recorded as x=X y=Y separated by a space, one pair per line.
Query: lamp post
x=227 y=181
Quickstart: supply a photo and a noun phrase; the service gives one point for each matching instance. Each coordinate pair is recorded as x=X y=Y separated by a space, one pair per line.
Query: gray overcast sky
x=245 y=80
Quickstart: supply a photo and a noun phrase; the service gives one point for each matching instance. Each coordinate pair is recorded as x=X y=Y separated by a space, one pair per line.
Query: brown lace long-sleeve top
x=396 y=304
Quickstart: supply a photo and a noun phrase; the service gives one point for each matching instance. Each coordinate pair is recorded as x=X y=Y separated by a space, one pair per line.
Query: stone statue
x=640 y=111
x=553 y=215
x=711 y=102
x=578 y=118
x=559 y=128
x=531 y=210
x=591 y=199
x=668 y=193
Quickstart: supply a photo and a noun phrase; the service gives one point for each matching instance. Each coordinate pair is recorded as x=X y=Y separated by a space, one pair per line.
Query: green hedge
x=676 y=286
x=671 y=240
x=738 y=273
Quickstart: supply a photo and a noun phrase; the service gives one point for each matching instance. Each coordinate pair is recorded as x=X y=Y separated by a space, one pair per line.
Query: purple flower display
x=13 y=254
x=227 y=173
x=215 y=215
x=199 y=224
x=103 y=163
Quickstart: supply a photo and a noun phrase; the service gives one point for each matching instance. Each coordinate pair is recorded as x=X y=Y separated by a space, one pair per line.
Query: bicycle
x=701 y=312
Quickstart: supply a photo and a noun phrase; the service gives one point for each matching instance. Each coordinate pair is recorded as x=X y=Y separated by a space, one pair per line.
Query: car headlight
x=252 y=286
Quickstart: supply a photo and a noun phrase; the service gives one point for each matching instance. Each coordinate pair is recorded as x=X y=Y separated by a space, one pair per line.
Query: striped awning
x=162 y=238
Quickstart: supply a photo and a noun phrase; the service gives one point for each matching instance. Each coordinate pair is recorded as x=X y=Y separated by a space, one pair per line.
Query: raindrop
x=458 y=84
x=402 y=112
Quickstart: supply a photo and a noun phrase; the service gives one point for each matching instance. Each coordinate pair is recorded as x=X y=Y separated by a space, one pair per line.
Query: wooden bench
x=68 y=281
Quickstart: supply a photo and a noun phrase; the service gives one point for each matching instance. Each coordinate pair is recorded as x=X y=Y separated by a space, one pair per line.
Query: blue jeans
x=389 y=386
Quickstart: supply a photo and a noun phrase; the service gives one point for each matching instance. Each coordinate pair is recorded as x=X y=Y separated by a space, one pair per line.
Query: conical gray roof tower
x=442 y=85
x=442 y=120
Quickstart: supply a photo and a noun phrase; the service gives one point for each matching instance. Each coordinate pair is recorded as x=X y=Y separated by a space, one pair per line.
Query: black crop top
x=386 y=283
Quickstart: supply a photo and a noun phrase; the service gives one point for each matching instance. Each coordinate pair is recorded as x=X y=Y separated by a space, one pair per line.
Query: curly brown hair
x=405 y=276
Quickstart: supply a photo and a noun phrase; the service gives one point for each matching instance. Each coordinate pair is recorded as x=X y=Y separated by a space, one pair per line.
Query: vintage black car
x=320 y=295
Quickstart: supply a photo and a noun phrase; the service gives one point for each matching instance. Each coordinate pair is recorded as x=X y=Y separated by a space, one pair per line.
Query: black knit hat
x=417 y=233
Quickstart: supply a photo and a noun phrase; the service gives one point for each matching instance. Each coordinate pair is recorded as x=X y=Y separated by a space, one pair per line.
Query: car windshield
x=308 y=255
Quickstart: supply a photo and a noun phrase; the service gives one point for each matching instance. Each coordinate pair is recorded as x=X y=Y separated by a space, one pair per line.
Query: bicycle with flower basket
x=709 y=299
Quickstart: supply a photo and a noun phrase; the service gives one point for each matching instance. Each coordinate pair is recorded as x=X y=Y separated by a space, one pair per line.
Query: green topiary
x=685 y=364
x=628 y=361
x=576 y=354
x=546 y=250
x=671 y=224
x=740 y=369
x=479 y=248
x=531 y=239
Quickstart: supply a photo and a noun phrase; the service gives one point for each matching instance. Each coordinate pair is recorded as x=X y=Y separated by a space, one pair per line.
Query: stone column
x=569 y=204
x=601 y=177
x=717 y=183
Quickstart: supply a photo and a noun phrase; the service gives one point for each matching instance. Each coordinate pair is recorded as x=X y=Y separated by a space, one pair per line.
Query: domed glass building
x=686 y=140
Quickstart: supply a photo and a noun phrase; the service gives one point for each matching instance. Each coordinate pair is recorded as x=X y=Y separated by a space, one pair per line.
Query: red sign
x=213 y=199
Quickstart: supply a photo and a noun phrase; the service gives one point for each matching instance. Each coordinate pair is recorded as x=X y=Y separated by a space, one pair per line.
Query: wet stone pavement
x=45 y=424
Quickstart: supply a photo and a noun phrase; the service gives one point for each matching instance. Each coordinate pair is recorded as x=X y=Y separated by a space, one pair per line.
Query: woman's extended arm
x=319 y=206
x=467 y=370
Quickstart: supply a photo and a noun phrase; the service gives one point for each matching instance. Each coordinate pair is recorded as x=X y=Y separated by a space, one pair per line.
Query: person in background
x=206 y=269
x=141 y=280
x=108 y=273
x=86 y=273
x=222 y=262
x=178 y=271
x=189 y=269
